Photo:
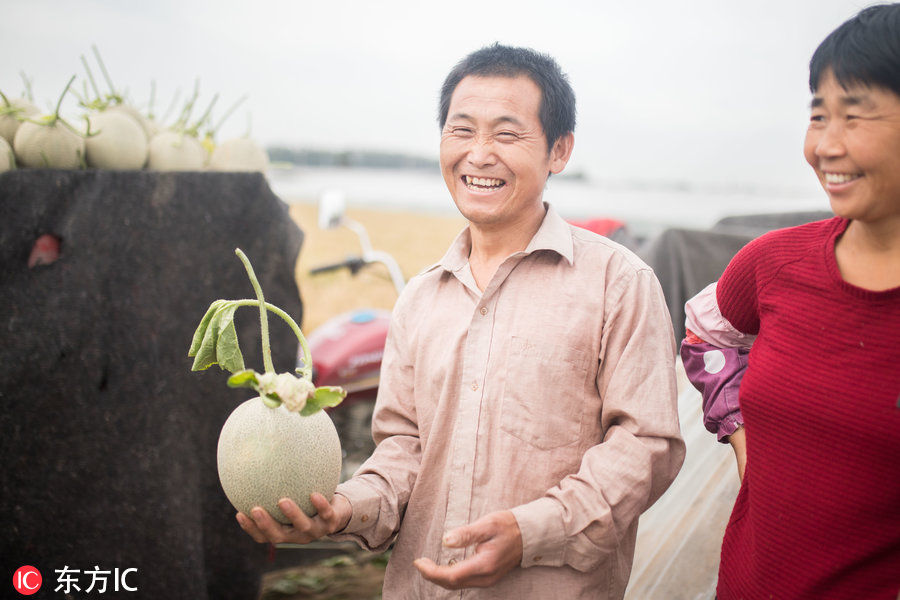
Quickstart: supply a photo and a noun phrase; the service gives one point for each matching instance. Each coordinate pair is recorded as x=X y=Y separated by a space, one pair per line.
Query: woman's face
x=853 y=144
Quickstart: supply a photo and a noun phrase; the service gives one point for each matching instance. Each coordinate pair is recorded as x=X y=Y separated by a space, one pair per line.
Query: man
x=527 y=409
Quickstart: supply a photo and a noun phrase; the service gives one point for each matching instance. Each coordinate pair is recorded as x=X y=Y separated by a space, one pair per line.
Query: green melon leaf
x=244 y=379
x=323 y=397
x=201 y=328
x=205 y=355
x=218 y=339
x=228 y=351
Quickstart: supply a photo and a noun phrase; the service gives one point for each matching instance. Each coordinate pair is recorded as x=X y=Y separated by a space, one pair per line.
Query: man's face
x=494 y=156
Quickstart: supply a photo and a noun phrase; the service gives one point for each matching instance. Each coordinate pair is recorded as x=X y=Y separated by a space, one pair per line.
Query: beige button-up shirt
x=550 y=394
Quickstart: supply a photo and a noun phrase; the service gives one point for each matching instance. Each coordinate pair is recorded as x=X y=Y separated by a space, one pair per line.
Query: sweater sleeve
x=737 y=292
x=714 y=355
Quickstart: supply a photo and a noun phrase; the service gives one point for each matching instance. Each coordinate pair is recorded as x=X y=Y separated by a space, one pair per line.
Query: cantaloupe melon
x=147 y=126
x=120 y=142
x=266 y=454
x=171 y=151
x=52 y=146
x=11 y=114
x=239 y=154
x=280 y=444
x=7 y=158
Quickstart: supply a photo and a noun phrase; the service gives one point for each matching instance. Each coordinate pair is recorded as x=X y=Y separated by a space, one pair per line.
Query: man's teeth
x=839 y=177
x=483 y=181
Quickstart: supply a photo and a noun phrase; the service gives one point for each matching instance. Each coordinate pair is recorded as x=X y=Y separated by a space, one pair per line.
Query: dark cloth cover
x=108 y=440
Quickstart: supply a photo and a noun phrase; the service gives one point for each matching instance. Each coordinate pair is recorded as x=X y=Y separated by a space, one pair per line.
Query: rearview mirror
x=331 y=209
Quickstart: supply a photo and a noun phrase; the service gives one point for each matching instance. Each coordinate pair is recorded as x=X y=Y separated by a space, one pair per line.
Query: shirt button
x=483 y=310
x=475 y=387
x=451 y=562
x=364 y=518
x=538 y=558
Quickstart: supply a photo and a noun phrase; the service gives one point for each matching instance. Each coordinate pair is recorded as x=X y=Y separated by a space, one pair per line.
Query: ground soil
x=351 y=575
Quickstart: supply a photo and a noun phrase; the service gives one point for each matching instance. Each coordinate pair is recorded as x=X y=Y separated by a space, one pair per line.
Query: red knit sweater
x=818 y=513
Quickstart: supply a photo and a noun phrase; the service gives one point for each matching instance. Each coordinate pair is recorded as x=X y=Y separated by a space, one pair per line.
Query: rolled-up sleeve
x=715 y=356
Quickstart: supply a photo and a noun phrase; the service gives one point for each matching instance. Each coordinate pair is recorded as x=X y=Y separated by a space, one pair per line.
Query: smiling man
x=527 y=409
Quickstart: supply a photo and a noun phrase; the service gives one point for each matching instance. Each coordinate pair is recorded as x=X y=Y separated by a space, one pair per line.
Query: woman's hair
x=863 y=51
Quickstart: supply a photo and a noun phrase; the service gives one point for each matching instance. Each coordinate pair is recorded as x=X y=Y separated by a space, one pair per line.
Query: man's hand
x=303 y=530
x=498 y=550
x=738 y=441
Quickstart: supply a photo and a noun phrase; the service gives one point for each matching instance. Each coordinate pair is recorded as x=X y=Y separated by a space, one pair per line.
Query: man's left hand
x=498 y=550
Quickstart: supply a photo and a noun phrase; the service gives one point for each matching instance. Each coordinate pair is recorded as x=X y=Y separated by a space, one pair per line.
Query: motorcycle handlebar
x=354 y=263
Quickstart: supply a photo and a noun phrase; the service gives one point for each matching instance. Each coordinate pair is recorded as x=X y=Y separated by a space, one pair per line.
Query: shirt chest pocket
x=544 y=393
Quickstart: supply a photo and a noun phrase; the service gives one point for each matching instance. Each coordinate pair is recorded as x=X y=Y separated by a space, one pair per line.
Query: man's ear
x=561 y=152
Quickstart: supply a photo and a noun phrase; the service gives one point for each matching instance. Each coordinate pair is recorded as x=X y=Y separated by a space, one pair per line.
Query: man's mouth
x=840 y=178
x=483 y=184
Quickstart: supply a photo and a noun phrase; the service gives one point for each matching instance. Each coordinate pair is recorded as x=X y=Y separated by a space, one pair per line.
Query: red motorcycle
x=347 y=349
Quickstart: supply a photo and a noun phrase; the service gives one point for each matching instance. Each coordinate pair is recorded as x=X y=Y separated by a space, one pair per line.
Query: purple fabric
x=717 y=373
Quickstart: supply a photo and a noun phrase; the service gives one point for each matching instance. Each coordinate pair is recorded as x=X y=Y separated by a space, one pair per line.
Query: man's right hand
x=330 y=518
x=738 y=441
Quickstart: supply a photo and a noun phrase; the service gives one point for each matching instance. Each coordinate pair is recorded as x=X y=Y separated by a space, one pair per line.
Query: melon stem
x=90 y=75
x=29 y=95
x=112 y=89
x=306 y=370
x=263 y=315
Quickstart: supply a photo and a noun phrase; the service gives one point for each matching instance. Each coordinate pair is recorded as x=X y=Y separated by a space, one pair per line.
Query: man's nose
x=481 y=151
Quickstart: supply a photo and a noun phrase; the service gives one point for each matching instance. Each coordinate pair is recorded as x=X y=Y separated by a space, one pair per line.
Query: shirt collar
x=554 y=235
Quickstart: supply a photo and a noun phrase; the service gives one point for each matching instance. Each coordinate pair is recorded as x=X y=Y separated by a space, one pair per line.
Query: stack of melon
x=113 y=134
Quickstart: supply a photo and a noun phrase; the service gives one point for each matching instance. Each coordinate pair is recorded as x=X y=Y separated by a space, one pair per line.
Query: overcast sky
x=708 y=91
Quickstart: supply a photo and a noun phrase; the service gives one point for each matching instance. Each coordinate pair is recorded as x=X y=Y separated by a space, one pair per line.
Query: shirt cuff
x=729 y=425
x=365 y=507
x=543 y=532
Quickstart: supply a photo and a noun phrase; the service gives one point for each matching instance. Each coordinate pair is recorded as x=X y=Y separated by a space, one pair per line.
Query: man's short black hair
x=863 y=51
x=557 y=110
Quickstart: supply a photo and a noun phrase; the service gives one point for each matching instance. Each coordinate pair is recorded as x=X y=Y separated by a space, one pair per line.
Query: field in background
x=415 y=241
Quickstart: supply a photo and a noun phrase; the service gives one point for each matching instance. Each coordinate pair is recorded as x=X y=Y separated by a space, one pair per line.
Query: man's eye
x=507 y=136
x=462 y=131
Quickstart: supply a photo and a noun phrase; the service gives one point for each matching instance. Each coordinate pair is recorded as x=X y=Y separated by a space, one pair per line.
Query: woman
x=816 y=424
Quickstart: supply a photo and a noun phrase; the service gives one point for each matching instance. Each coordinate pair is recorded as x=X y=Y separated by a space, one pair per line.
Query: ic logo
x=27 y=580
